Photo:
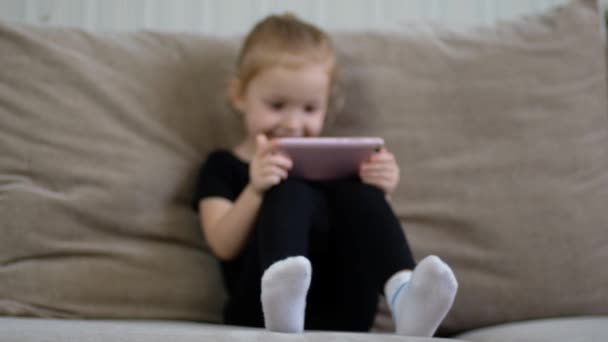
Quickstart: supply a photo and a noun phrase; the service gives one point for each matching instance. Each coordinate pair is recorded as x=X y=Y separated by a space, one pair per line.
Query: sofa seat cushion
x=56 y=330
x=580 y=329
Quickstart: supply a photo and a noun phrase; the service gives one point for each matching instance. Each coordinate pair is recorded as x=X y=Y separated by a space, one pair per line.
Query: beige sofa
x=501 y=133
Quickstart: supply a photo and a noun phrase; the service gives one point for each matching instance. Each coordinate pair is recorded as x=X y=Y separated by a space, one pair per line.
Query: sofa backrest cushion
x=101 y=136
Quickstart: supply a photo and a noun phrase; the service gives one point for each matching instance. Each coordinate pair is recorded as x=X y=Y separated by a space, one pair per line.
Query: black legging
x=351 y=236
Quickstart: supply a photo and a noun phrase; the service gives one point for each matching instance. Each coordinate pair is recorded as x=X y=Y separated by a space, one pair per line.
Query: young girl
x=301 y=254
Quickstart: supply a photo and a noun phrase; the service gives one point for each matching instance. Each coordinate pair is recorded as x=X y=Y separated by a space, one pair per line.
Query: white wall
x=228 y=17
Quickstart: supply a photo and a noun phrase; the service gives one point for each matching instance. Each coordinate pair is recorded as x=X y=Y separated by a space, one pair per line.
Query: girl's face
x=284 y=102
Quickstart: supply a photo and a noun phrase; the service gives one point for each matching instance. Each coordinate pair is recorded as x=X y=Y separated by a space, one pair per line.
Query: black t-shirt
x=222 y=175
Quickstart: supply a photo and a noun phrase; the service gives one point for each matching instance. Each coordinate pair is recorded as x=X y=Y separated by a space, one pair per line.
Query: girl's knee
x=356 y=188
x=289 y=188
x=291 y=192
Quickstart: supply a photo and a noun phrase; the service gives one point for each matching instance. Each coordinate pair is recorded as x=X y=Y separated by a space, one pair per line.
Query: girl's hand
x=268 y=168
x=381 y=171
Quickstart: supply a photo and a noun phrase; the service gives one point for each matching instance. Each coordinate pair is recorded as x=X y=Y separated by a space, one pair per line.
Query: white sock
x=284 y=287
x=421 y=299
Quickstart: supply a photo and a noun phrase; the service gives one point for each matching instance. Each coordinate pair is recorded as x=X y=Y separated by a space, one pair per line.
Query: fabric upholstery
x=568 y=329
x=54 y=330
x=100 y=138
x=501 y=134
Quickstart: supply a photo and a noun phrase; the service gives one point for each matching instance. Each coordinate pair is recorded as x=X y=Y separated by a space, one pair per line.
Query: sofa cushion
x=54 y=330
x=101 y=136
x=502 y=137
x=567 y=329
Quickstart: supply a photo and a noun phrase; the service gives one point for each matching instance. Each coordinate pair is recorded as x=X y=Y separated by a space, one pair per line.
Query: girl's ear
x=236 y=94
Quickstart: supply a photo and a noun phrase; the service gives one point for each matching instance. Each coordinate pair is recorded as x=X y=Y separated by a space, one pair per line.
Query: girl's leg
x=282 y=230
x=369 y=246
x=368 y=226
x=285 y=220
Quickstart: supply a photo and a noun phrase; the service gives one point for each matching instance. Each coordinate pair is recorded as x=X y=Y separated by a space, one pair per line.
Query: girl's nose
x=291 y=121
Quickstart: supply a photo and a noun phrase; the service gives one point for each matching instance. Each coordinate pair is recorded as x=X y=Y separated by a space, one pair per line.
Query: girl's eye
x=278 y=105
x=310 y=108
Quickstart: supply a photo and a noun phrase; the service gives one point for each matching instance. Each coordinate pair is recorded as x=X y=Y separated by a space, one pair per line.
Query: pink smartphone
x=328 y=158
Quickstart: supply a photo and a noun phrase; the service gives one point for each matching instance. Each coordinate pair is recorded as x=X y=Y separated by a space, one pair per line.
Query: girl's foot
x=284 y=287
x=421 y=299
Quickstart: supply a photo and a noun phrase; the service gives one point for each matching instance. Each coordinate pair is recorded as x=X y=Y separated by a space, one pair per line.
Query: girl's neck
x=245 y=150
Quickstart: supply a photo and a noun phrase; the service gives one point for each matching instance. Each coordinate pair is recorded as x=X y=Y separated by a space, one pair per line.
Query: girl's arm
x=226 y=225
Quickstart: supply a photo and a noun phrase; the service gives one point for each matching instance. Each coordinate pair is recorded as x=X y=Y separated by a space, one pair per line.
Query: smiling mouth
x=285 y=135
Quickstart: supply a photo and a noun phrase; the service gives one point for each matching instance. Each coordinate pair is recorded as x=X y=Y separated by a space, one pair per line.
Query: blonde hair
x=283 y=40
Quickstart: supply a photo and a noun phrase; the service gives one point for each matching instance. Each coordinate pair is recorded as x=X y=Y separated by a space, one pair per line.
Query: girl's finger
x=379 y=169
x=376 y=166
x=383 y=178
x=386 y=162
x=275 y=170
x=263 y=146
x=378 y=178
x=271 y=180
x=279 y=160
